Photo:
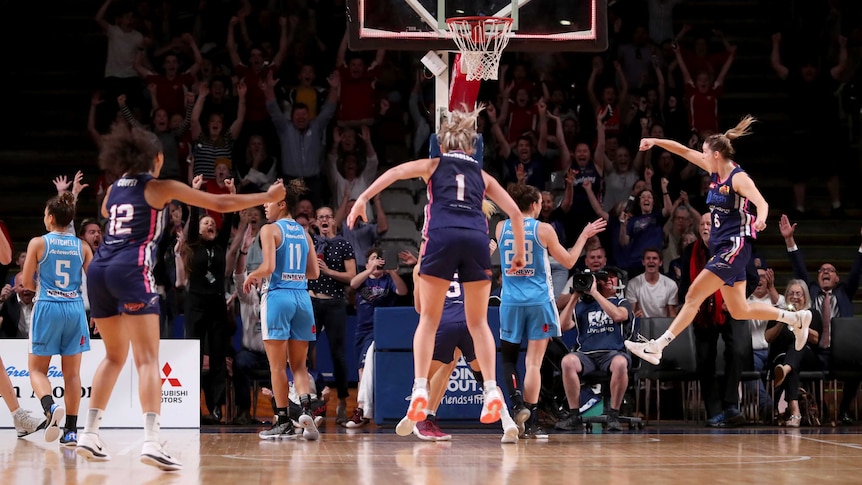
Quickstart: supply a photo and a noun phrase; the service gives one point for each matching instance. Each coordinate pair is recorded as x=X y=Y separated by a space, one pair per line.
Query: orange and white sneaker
x=418 y=404
x=492 y=406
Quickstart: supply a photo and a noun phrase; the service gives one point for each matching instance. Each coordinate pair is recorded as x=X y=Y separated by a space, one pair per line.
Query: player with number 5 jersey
x=733 y=227
x=527 y=308
x=456 y=234
x=123 y=297
x=286 y=315
x=59 y=325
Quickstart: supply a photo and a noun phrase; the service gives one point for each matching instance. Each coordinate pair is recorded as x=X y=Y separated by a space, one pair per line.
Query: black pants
x=206 y=320
x=331 y=316
x=246 y=361
x=719 y=395
x=798 y=360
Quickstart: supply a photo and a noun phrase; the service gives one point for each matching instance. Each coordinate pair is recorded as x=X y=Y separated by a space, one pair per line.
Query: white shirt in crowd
x=758 y=327
x=653 y=299
x=122 y=51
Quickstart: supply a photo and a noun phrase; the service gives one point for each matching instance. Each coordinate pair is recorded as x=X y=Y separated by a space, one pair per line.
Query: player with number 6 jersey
x=733 y=227
x=456 y=234
x=527 y=308
x=123 y=297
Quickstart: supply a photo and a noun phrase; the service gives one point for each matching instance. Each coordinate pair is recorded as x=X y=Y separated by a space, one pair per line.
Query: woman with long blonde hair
x=456 y=234
x=733 y=229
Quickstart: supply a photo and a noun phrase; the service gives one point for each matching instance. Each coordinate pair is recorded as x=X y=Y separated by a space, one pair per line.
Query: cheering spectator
x=357 y=84
x=171 y=85
x=123 y=44
x=702 y=94
x=214 y=143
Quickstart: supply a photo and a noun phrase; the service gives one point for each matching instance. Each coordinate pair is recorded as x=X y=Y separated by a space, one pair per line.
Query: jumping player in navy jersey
x=528 y=309
x=286 y=316
x=123 y=298
x=451 y=342
x=733 y=228
x=456 y=233
x=59 y=321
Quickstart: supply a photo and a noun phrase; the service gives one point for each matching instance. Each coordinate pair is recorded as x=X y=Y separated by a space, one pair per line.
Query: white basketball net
x=481 y=41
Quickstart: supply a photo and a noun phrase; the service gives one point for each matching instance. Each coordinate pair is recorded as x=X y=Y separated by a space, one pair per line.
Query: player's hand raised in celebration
x=646 y=144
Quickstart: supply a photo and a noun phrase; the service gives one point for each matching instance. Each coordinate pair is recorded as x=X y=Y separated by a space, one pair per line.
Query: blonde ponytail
x=741 y=129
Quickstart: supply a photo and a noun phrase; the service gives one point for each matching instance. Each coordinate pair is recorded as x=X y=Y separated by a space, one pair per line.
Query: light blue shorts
x=59 y=328
x=287 y=315
x=536 y=322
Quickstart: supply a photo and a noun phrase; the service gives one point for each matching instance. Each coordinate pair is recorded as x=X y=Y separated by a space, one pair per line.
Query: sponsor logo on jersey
x=524 y=272
x=724 y=190
x=292 y=277
x=62 y=294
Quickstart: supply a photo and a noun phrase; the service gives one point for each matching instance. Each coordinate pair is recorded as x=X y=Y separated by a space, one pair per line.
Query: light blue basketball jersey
x=532 y=284
x=60 y=269
x=291 y=258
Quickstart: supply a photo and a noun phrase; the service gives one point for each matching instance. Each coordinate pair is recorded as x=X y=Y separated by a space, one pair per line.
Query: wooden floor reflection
x=379 y=457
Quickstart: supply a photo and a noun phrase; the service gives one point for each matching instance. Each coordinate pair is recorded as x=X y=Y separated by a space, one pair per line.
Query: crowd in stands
x=242 y=93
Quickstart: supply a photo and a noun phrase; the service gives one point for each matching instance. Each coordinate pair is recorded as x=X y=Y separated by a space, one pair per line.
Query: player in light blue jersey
x=730 y=190
x=286 y=316
x=527 y=308
x=59 y=326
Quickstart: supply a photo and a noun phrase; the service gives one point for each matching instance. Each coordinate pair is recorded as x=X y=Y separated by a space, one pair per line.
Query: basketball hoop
x=481 y=41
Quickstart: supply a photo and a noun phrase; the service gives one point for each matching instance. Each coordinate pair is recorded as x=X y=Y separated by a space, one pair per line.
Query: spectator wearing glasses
x=337 y=262
x=830 y=297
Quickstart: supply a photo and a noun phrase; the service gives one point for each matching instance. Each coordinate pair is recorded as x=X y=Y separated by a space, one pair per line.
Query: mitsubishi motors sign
x=179 y=365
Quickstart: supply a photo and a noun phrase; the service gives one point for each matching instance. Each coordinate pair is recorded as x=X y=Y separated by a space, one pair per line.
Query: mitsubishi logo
x=166 y=370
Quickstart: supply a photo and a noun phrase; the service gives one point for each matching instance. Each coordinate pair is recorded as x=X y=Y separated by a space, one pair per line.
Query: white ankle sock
x=151 y=427
x=665 y=339
x=489 y=385
x=787 y=317
x=94 y=420
x=420 y=383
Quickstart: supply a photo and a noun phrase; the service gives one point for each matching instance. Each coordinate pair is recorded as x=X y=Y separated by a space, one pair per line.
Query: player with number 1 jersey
x=456 y=234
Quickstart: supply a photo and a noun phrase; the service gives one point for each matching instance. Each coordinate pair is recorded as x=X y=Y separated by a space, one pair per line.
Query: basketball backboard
x=420 y=25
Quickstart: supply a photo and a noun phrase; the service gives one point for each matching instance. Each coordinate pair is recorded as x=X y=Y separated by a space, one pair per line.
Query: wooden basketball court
x=474 y=456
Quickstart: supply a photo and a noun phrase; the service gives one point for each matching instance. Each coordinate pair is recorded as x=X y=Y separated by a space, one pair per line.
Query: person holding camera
x=375 y=287
x=730 y=241
x=527 y=308
x=603 y=320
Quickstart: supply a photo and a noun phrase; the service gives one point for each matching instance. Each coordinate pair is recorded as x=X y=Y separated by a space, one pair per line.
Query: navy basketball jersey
x=60 y=268
x=597 y=331
x=531 y=284
x=455 y=194
x=729 y=210
x=453 y=307
x=134 y=228
x=291 y=258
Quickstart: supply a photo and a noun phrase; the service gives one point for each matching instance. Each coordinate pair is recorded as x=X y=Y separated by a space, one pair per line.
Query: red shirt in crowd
x=169 y=92
x=357 y=95
x=255 y=101
x=703 y=108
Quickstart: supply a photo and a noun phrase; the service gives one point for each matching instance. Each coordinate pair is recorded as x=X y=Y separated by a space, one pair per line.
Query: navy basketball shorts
x=114 y=289
x=729 y=260
x=451 y=335
x=457 y=250
x=364 y=339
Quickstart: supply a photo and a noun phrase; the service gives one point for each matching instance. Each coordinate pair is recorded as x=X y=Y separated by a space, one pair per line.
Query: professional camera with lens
x=582 y=281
